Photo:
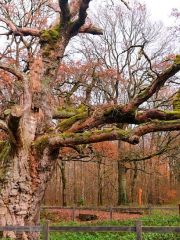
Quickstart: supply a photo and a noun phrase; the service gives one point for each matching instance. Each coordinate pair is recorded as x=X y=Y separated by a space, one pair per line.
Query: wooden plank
x=114 y=208
x=79 y=208
x=131 y=208
x=139 y=229
x=49 y=207
x=22 y=228
x=93 y=208
x=149 y=210
x=164 y=208
x=111 y=213
x=161 y=229
x=92 y=229
x=46 y=230
x=73 y=214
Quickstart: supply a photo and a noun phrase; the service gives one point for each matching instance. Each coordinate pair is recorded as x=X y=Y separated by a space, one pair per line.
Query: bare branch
x=91 y=29
x=14 y=70
x=156 y=84
x=19 y=31
x=53 y=6
x=9 y=24
x=82 y=16
x=21 y=76
x=126 y=4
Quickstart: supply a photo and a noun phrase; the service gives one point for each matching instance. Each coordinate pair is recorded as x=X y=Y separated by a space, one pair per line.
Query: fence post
x=73 y=217
x=179 y=209
x=139 y=229
x=46 y=230
x=111 y=217
x=149 y=210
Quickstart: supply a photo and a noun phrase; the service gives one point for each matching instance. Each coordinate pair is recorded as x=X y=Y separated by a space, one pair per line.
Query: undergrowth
x=158 y=218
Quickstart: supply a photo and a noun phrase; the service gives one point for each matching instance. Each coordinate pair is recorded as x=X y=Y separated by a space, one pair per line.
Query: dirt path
x=66 y=215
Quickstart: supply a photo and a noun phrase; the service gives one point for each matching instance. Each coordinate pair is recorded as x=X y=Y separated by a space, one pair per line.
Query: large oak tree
x=38 y=124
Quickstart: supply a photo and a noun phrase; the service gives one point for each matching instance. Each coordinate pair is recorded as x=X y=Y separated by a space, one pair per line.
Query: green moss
x=177 y=59
x=123 y=132
x=64 y=125
x=176 y=101
x=145 y=92
x=7 y=111
x=170 y=114
x=50 y=35
x=4 y=151
x=41 y=144
x=84 y=135
x=81 y=108
x=49 y=130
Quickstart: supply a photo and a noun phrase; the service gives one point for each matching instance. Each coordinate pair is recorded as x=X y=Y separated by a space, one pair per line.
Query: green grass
x=158 y=218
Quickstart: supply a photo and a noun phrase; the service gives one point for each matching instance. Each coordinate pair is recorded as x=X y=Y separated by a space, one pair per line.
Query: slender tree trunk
x=133 y=181
x=122 y=185
x=100 y=201
x=63 y=177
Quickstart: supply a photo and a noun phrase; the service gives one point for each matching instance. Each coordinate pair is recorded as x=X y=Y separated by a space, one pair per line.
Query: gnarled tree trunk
x=24 y=176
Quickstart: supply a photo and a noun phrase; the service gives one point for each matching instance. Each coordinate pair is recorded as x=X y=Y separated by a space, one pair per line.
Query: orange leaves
x=106 y=149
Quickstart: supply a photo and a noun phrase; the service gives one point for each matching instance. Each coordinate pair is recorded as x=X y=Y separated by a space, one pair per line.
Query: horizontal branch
x=19 y=31
x=82 y=119
x=68 y=112
x=14 y=70
x=151 y=114
x=130 y=136
x=91 y=30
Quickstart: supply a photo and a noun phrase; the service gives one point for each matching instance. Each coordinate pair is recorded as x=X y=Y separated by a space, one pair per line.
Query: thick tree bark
x=23 y=183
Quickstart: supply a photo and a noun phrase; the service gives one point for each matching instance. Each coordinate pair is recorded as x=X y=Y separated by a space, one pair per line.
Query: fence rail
x=111 y=208
x=46 y=229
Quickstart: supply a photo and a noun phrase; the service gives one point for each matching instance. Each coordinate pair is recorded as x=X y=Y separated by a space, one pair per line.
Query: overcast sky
x=161 y=9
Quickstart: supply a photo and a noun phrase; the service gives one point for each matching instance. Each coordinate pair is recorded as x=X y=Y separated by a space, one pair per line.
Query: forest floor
x=62 y=215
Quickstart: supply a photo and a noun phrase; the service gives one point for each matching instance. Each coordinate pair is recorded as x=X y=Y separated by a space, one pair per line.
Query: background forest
x=112 y=69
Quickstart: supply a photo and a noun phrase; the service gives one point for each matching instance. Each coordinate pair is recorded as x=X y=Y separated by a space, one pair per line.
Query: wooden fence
x=111 y=208
x=46 y=229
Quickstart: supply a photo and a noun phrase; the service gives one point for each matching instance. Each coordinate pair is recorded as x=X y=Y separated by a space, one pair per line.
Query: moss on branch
x=50 y=36
x=177 y=59
x=176 y=101
x=40 y=145
x=5 y=148
x=66 y=124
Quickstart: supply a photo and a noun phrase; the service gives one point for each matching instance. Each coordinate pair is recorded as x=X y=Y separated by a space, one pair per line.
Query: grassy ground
x=158 y=218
